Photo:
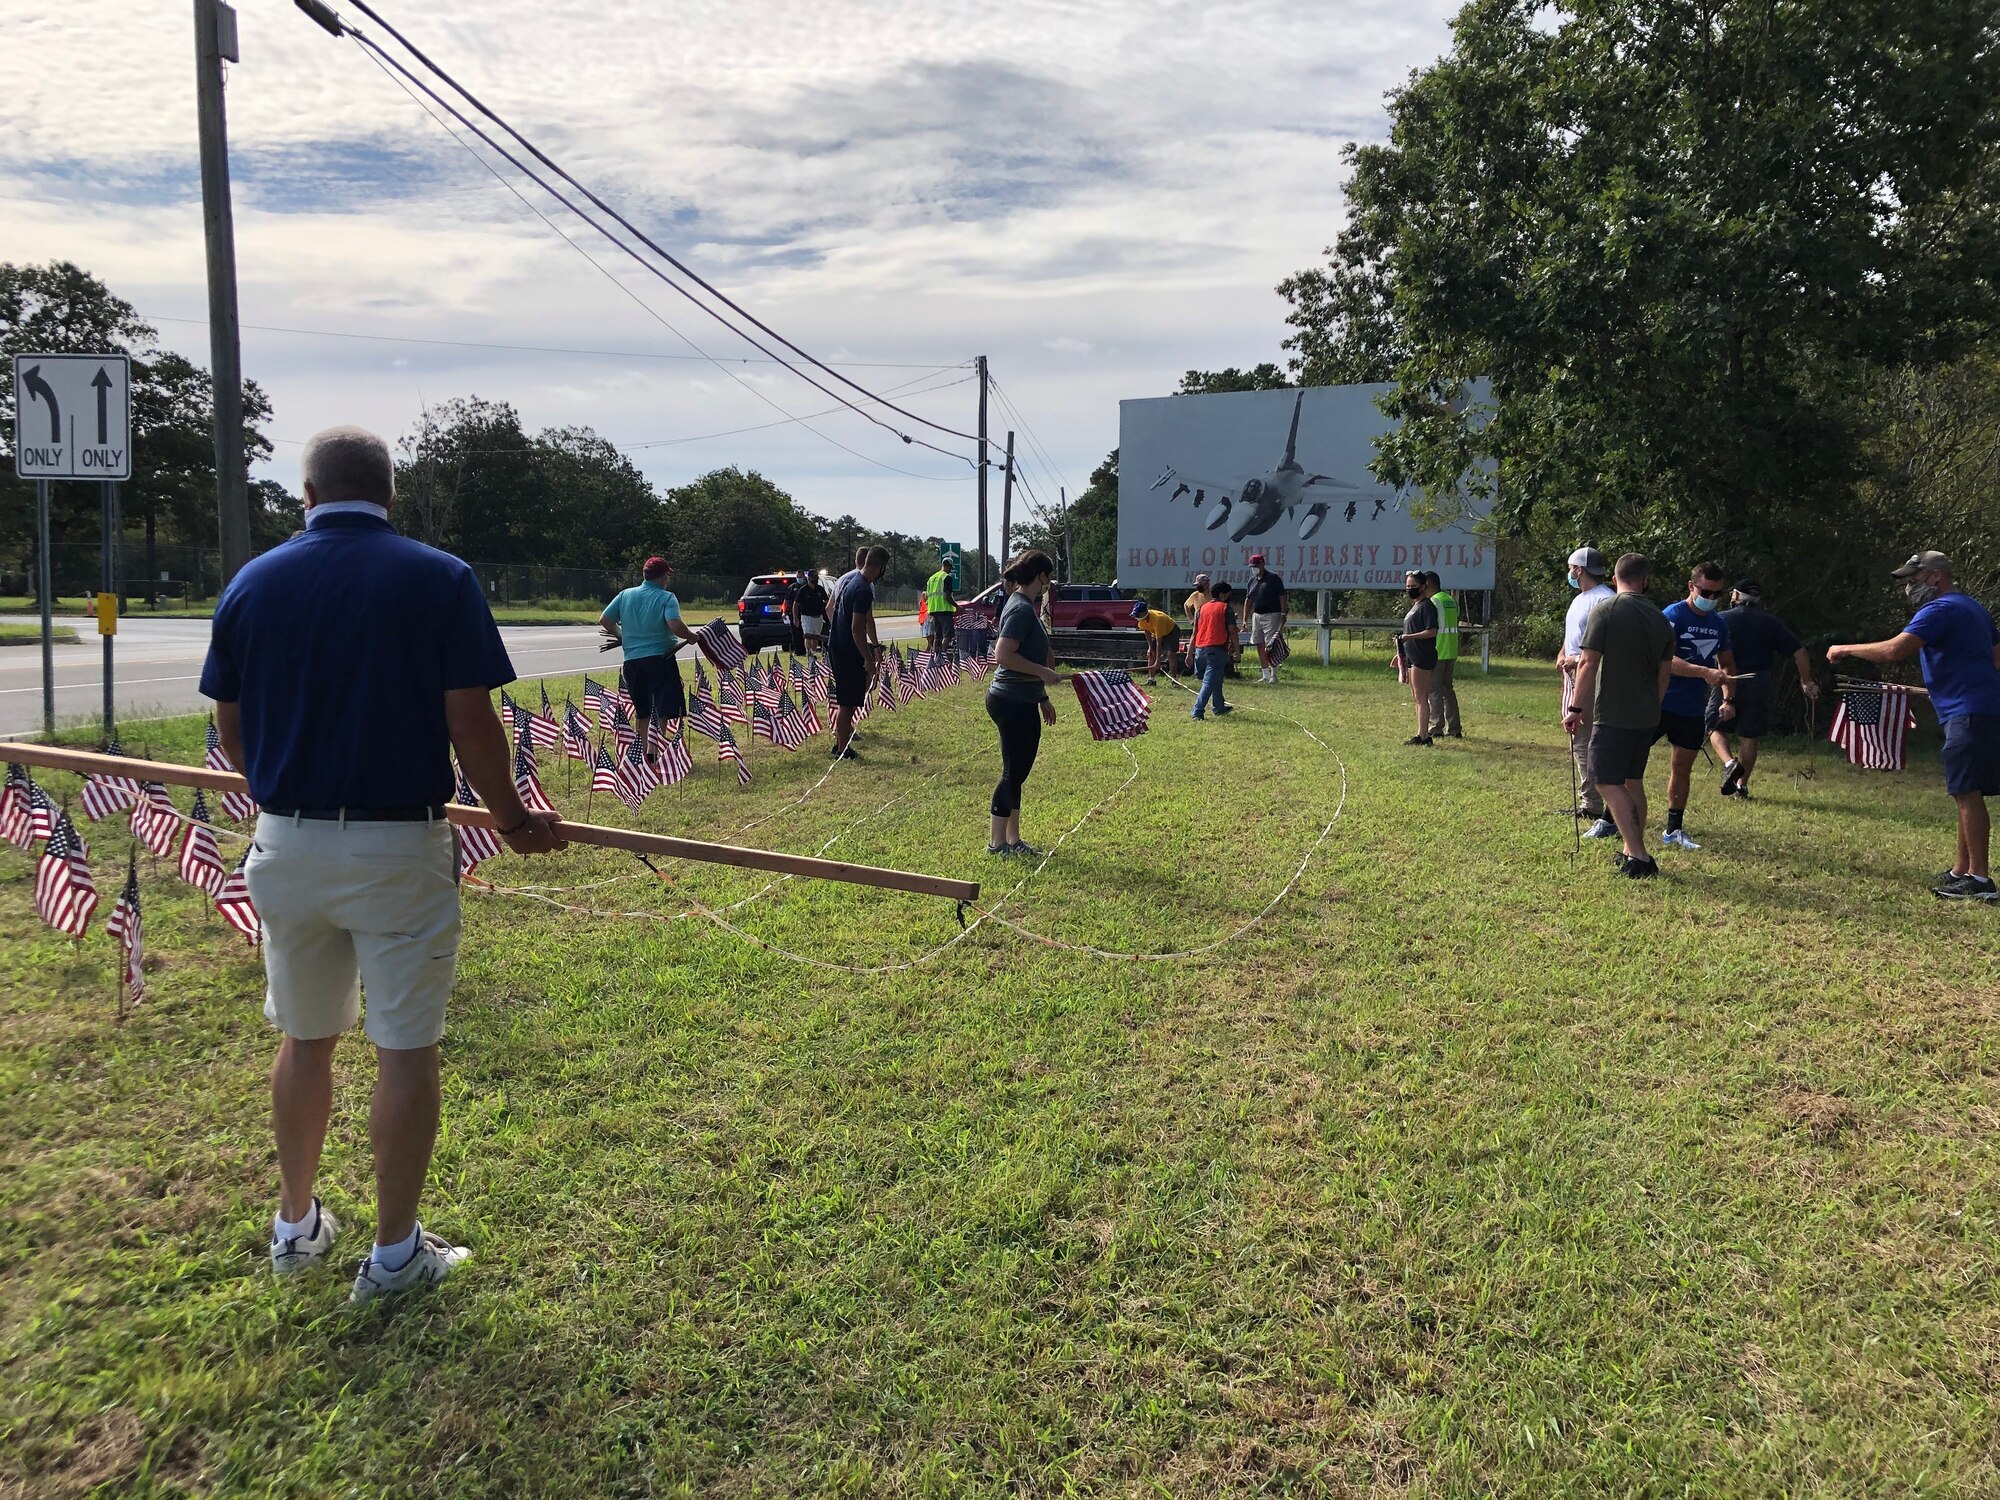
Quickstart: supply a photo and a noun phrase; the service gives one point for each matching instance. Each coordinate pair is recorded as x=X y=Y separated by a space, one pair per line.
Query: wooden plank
x=89 y=763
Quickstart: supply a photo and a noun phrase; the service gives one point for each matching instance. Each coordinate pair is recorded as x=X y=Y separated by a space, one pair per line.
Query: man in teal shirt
x=1444 y=697
x=643 y=620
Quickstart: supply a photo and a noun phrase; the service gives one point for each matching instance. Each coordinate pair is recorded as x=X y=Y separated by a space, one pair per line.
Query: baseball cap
x=1201 y=578
x=1749 y=588
x=1590 y=560
x=656 y=565
x=1256 y=559
x=1138 y=609
x=1923 y=562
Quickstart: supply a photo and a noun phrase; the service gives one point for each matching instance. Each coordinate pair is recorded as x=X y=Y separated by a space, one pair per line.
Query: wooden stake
x=88 y=763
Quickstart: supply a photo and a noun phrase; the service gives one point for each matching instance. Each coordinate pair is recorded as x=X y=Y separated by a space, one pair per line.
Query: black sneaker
x=847 y=754
x=1418 y=739
x=1639 y=869
x=1967 y=888
x=1731 y=769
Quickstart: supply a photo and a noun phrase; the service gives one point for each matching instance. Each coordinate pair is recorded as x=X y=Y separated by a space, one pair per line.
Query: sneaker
x=1603 y=828
x=847 y=754
x=1418 y=739
x=1967 y=888
x=303 y=1252
x=1945 y=878
x=1454 y=734
x=999 y=848
x=1197 y=717
x=433 y=1261
x=1639 y=869
x=1022 y=849
x=1731 y=769
x=1223 y=710
x=1677 y=838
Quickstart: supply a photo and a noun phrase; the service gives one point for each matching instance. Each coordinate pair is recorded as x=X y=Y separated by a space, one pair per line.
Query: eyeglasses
x=1710 y=593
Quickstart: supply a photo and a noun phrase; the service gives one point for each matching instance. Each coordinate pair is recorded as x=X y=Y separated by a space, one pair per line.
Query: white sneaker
x=1603 y=828
x=1676 y=838
x=433 y=1261
x=303 y=1252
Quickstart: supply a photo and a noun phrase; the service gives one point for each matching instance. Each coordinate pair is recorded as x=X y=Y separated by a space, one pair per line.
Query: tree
x=735 y=523
x=1685 y=242
x=1092 y=555
x=1266 y=377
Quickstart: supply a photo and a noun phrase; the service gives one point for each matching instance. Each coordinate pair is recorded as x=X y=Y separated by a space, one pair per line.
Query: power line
x=638 y=233
x=391 y=69
x=402 y=338
x=1033 y=438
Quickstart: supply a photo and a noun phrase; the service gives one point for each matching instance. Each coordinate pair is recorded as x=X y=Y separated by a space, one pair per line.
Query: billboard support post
x=1325 y=628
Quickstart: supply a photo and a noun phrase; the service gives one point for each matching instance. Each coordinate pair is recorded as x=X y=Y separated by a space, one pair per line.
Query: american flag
x=41 y=813
x=700 y=675
x=793 y=730
x=474 y=844
x=201 y=862
x=725 y=749
x=604 y=773
x=595 y=699
x=816 y=680
x=15 y=807
x=675 y=762
x=104 y=795
x=1113 y=706
x=763 y=723
x=769 y=686
x=65 y=895
x=719 y=646
x=633 y=781
x=526 y=782
x=885 y=687
x=234 y=903
x=703 y=716
x=729 y=699
x=807 y=714
x=236 y=806
x=576 y=734
x=127 y=926
x=156 y=822
x=1872 y=725
x=621 y=727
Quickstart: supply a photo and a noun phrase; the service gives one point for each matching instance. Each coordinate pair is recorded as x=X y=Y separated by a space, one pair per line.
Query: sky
x=1096 y=194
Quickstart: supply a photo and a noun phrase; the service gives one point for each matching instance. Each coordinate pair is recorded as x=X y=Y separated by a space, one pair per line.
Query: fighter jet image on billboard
x=1205 y=481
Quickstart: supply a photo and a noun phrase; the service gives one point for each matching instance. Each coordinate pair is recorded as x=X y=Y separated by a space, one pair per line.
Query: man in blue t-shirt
x=345 y=667
x=1702 y=658
x=853 y=650
x=643 y=620
x=1953 y=637
x=1757 y=639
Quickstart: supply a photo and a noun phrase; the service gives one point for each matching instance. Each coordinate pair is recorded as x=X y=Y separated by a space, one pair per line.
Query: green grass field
x=31 y=635
x=1470 y=1171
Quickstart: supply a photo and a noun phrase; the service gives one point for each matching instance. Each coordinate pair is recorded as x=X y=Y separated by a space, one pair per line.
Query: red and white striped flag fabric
x=526 y=782
x=621 y=727
x=633 y=782
x=127 y=927
x=156 y=822
x=675 y=762
x=725 y=750
x=474 y=844
x=201 y=862
x=104 y=795
x=576 y=734
x=16 y=808
x=729 y=699
x=236 y=908
x=807 y=714
x=604 y=773
x=704 y=717
x=1114 y=707
x=719 y=646
x=885 y=687
x=236 y=806
x=595 y=699
x=1872 y=725
x=763 y=723
x=792 y=730
x=65 y=895
x=816 y=680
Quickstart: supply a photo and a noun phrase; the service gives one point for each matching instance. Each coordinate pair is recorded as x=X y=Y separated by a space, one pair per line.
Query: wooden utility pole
x=983 y=539
x=215 y=44
x=1007 y=506
x=1069 y=549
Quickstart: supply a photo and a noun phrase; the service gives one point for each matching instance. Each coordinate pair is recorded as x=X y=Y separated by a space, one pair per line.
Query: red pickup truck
x=1072 y=606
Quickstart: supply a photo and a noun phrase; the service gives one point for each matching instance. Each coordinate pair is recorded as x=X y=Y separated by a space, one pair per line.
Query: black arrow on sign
x=103 y=386
x=38 y=388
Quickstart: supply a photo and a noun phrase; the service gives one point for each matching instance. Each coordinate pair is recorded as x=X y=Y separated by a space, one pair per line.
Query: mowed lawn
x=1469 y=1171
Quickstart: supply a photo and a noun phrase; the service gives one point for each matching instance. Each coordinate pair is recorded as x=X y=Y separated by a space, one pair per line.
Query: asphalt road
x=158 y=667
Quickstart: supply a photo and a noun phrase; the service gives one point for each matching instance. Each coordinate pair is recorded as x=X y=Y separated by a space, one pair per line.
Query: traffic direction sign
x=72 y=416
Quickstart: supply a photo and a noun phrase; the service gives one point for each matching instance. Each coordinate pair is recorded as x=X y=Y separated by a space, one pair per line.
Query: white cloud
x=909 y=184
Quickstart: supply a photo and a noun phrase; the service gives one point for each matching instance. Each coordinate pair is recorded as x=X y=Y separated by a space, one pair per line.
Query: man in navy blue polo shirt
x=345 y=665
x=1953 y=636
x=1702 y=655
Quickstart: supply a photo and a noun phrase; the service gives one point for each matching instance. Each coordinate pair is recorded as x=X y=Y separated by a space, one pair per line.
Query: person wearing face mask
x=1587 y=572
x=1954 y=639
x=1417 y=647
x=1702 y=655
x=1264 y=614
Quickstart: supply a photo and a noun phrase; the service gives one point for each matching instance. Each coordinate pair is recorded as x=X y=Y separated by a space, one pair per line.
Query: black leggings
x=1020 y=726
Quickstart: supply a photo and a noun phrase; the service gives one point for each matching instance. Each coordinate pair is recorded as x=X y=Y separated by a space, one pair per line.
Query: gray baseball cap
x=1590 y=560
x=1923 y=562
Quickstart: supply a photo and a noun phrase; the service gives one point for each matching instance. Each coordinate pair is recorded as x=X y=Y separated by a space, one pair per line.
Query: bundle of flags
x=1113 y=705
x=720 y=646
x=1873 y=724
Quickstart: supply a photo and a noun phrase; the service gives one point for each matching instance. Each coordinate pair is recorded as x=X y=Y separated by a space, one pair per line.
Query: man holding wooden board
x=345 y=666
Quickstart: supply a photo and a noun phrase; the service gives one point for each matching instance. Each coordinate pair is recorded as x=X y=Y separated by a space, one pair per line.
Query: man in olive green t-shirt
x=1444 y=697
x=1628 y=645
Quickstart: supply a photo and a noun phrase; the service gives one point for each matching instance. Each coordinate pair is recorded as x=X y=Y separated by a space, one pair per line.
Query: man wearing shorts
x=1701 y=655
x=1756 y=639
x=345 y=666
x=806 y=603
x=853 y=649
x=642 y=619
x=1953 y=636
x=1587 y=572
x=1622 y=671
x=1264 y=614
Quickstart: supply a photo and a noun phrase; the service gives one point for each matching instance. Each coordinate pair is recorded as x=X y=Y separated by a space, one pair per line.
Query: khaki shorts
x=368 y=905
x=1265 y=629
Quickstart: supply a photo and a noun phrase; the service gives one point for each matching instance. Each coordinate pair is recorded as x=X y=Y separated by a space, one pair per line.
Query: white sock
x=392 y=1258
x=284 y=1229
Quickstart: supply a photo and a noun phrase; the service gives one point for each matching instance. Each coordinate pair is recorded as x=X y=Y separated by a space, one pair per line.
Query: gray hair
x=349 y=463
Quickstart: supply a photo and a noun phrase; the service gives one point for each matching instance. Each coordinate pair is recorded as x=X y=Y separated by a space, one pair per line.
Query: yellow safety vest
x=937 y=594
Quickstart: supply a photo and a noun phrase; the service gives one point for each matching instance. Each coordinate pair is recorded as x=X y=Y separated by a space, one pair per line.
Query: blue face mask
x=1706 y=606
x=1573 y=581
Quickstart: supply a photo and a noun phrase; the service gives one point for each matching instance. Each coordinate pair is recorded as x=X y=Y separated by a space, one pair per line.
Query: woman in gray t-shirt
x=1017 y=698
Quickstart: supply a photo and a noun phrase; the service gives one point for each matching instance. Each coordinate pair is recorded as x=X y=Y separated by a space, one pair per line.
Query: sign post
x=73 y=420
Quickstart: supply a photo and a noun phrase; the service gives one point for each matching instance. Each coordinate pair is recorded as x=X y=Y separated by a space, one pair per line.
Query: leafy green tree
x=1265 y=377
x=733 y=522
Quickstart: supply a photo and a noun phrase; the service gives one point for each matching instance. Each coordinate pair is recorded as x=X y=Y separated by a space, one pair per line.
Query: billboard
x=1204 y=481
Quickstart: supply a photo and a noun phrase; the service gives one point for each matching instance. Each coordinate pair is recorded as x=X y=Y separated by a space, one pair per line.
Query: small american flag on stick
x=104 y=795
x=725 y=750
x=526 y=782
x=16 y=808
x=576 y=734
x=675 y=762
x=65 y=895
x=236 y=806
x=236 y=908
x=1113 y=706
x=719 y=646
x=1872 y=725
x=633 y=781
x=127 y=926
x=474 y=844
x=201 y=862
x=156 y=822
